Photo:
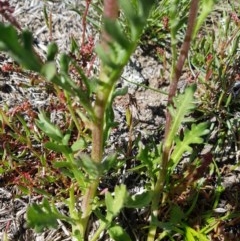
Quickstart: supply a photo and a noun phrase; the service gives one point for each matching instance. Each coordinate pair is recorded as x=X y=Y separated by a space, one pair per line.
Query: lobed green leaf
x=116 y=203
x=192 y=136
x=41 y=216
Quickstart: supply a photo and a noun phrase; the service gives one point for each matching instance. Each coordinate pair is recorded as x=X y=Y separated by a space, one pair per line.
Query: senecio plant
x=117 y=43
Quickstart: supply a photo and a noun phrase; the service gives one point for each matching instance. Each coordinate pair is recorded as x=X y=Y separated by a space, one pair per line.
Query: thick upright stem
x=110 y=11
x=102 y=96
x=159 y=186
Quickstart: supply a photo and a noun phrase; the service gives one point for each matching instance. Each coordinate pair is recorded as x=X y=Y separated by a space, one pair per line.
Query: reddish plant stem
x=111 y=11
x=84 y=22
x=173 y=89
x=181 y=60
x=173 y=86
x=7 y=12
x=159 y=186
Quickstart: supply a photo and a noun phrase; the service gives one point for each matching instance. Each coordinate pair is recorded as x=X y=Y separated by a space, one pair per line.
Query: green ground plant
x=90 y=126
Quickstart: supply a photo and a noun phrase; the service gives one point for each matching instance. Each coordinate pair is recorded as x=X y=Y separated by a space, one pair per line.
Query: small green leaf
x=71 y=170
x=110 y=113
x=136 y=23
x=139 y=200
x=110 y=123
x=92 y=168
x=70 y=86
x=65 y=168
x=49 y=70
x=74 y=45
x=109 y=59
x=58 y=148
x=176 y=215
x=207 y=6
x=192 y=235
x=114 y=30
x=25 y=190
x=109 y=204
x=64 y=63
x=52 y=51
x=90 y=84
x=93 y=84
x=117 y=233
x=80 y=178
x=41 y=192
x=66 y=137
x=78 y=145
x=62 y=164
x=120 y=92
x=235 y=45
x=27 y=41
x=46 y=15
x=116 y=203
x=128 y=117
x=148 y=155
x=136 y=14
x=128 y=9
x=109 y=162
x=24 y=125
x=48 y=128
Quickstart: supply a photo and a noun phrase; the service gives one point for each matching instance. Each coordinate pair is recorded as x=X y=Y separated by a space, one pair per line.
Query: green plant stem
x=73 y=114
x=73 y=213
x=97 y=153
x=158 y=196
x=98 y=232
x=145 y=86
x=110 y=11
